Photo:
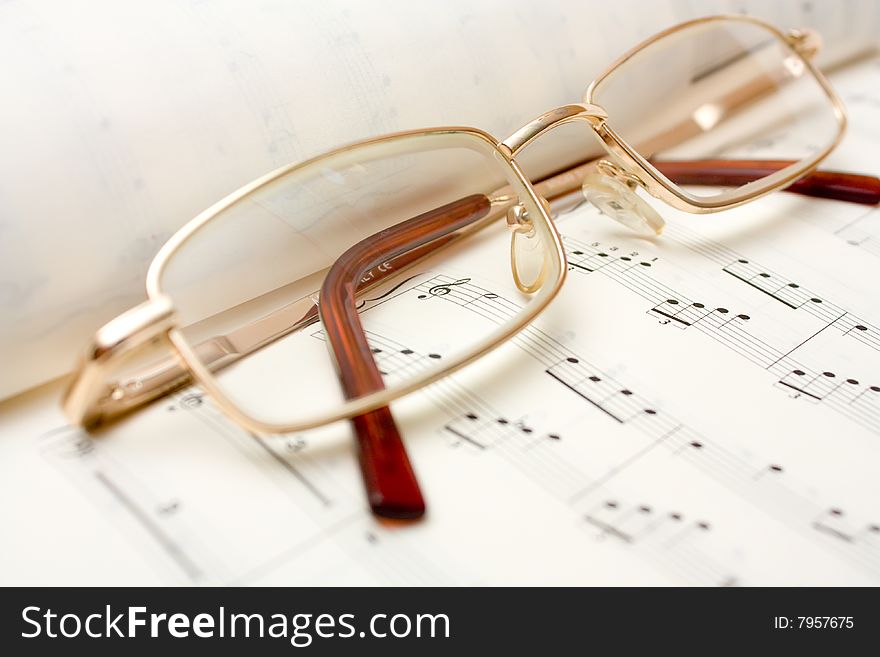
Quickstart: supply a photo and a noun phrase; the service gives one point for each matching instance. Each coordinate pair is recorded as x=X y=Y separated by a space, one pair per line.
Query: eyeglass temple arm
x=391 y=484
x=836 y=185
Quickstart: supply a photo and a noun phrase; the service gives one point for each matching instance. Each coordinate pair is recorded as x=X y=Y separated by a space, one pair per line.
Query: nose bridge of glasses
x=592 y=114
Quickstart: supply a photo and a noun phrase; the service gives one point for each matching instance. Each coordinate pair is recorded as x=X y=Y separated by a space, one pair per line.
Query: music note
x=616 y=402
x=466 y=434
x=834 y=522
x=770 y=469
x=816 y=387
x=392 y=358
x=635 y=522
x=587 y=263
x=867 y=395
x=609 y=520
x=682 y=315
x=784 y=291
x=482 y=431
x=594 y=257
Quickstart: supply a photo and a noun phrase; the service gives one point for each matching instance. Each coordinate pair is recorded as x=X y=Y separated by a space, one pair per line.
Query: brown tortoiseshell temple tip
x=835 y=185
x=392 y=488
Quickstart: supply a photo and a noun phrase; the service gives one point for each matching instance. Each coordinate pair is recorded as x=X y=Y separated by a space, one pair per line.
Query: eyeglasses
x=318 y=292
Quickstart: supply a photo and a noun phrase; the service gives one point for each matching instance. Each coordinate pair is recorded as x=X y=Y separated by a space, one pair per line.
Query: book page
x=703 y=408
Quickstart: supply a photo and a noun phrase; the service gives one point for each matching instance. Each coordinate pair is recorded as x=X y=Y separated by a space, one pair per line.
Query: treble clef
x=444 y=288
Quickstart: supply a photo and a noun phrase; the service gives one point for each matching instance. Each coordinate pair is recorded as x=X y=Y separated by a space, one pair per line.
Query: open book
x=703 y=408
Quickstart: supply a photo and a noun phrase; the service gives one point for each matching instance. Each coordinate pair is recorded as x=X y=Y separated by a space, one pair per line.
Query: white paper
x=620 y=439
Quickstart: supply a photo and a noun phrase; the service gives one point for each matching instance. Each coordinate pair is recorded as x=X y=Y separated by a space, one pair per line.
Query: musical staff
x=816 y=387
x=731 y=329
x=473 y=423
x=859 y=537
x=485 y=432
x=666 y=534
x=192 y=528
x=684 y=314
x=584 y=471
x=616 y=402
x=542 y=452
x=393 y=359
x=77 y=453
x=536 y=454
x=788 y=292
x=624 y=406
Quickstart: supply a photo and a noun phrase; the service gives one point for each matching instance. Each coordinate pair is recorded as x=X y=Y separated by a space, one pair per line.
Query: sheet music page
x=703 y=408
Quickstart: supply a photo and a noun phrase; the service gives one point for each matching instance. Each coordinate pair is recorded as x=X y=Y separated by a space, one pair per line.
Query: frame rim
x=350 y=408
x=660 y=186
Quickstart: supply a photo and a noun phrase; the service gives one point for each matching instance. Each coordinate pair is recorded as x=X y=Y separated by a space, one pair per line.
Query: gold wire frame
x=801 y=44
x=154 y=320
x=91 y=399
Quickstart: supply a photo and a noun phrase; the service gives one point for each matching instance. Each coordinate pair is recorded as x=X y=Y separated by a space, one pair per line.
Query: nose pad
x=616 y=199
x=528 y=257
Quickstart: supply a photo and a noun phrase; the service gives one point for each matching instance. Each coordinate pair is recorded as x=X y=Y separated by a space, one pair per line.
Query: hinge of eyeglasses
x=805 y=42
x=549 y=120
